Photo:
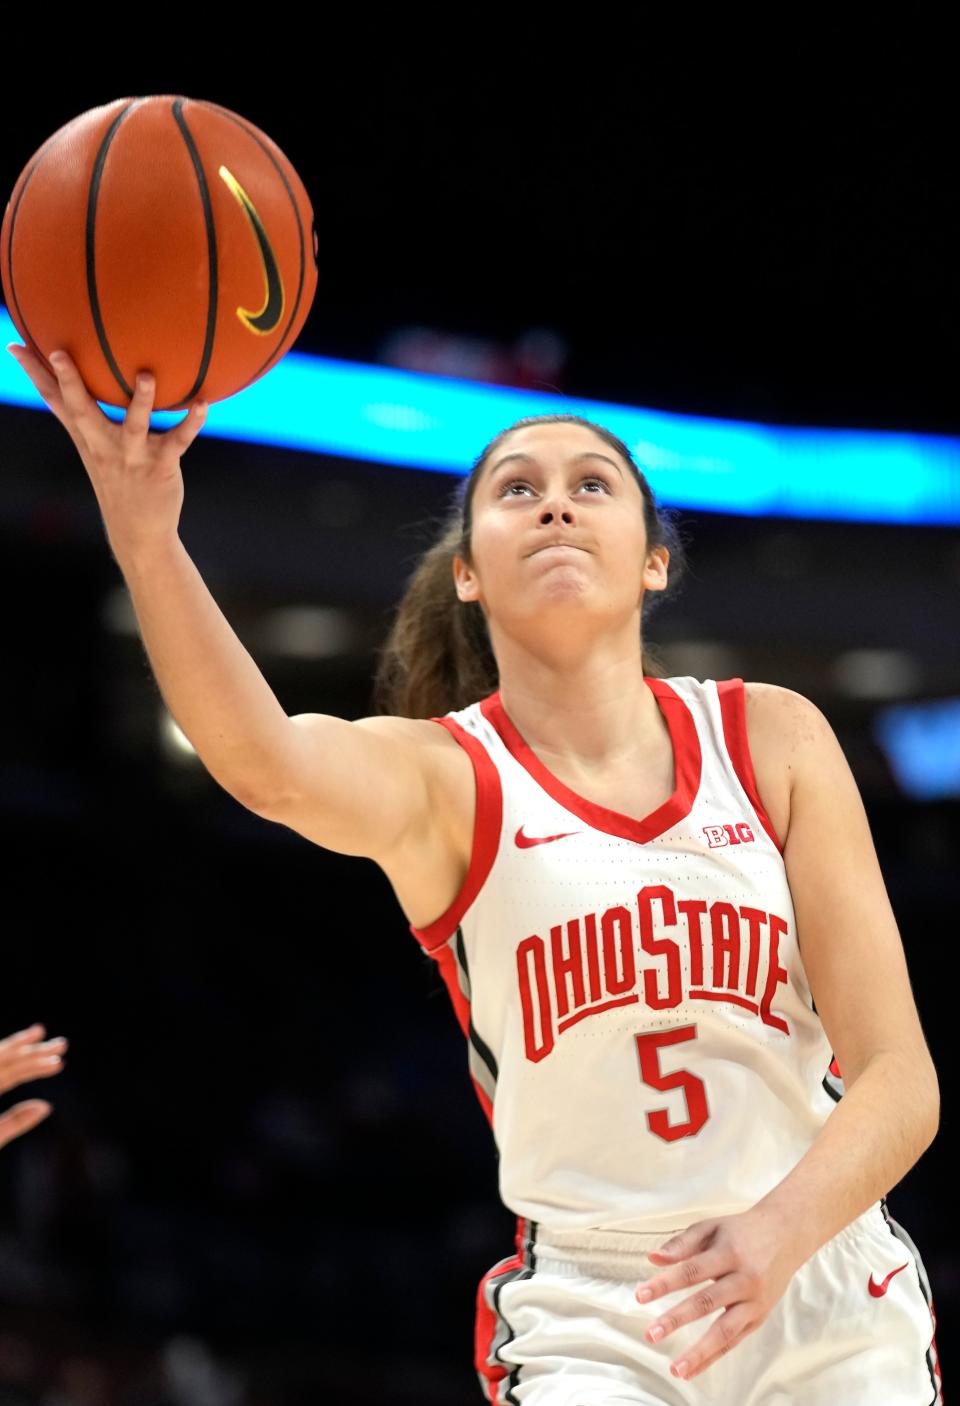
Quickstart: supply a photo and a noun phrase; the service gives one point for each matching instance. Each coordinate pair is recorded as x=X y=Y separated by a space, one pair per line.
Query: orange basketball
x=165 y=234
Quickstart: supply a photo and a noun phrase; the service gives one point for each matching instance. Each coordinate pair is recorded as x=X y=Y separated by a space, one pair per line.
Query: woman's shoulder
x=439 y=752
x=774 y=714
x=429 y=872
x=781 y=712
x=778 y=719
x=404 y=729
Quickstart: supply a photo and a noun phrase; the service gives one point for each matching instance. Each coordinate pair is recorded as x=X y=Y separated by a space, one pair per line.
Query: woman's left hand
x=750 y=1259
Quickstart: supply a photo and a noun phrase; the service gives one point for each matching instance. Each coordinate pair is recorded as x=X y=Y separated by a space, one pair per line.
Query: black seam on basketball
x=10 y=279
x=13 y=220
x=213 y=293
x=92 y=195
x=277 y=351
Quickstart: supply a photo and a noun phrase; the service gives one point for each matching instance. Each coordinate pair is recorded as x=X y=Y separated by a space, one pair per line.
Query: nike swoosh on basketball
x=878 y=1290
x=524 y=841
x=265 y=319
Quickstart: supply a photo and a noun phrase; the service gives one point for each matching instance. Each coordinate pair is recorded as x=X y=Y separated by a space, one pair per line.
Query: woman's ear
x=465 y=580
x=655 y=572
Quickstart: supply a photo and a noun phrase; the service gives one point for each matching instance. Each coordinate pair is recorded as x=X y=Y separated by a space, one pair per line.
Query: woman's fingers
x=40 y=1067
x=79 y=404
x=23 y=1057
x=33 y=367
x=183 y=435
x=25 y=1072
x=72 y=403
x=31 y=1032
x=64 y=392
x=21 y=1118
x=136 y=422
x=40 y=1049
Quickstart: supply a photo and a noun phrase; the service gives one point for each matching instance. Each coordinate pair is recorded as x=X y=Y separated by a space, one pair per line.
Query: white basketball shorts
x=558 y=1325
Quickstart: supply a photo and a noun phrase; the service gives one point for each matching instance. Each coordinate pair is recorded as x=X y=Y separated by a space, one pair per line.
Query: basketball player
x=24 y=1057
x=656 y=906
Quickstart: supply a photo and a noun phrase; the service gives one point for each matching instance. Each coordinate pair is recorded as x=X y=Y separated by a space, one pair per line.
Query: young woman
x=657 y=908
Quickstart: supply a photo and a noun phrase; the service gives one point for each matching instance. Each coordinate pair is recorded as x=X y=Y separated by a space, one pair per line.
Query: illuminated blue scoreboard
x=440 y=423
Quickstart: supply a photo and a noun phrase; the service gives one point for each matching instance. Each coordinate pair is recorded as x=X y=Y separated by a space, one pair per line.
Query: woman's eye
x=522 y=483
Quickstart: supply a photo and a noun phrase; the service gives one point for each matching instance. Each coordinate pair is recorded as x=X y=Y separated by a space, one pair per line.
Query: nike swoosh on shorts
x=878 y=1290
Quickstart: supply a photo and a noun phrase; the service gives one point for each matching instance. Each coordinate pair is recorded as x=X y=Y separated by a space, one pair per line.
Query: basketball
x=160 y=233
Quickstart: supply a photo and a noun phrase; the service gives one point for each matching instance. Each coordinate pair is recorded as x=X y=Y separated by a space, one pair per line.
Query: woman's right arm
x=365 y=783
x=360 y=786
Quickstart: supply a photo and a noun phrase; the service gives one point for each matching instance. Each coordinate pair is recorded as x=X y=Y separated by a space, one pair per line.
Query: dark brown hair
x=437 y=657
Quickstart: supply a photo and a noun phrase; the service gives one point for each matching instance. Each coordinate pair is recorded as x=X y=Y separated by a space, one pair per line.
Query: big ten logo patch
x=739 y=834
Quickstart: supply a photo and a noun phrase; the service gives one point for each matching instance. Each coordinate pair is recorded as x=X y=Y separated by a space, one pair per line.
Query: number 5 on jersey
x=649 y=1046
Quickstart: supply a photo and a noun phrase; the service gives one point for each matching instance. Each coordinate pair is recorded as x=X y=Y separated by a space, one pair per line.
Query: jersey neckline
x=687 y=763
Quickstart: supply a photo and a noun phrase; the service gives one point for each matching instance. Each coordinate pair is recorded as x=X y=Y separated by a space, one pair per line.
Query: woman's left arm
x=854 y=959
x=889 y=1114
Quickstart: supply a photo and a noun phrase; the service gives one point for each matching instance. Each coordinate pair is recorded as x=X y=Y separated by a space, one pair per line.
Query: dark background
x=266 y=1175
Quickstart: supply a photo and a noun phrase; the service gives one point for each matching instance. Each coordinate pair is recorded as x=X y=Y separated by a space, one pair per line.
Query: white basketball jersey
x=641 y=1033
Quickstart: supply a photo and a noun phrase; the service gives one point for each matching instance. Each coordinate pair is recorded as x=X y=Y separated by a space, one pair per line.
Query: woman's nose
x=549 y=511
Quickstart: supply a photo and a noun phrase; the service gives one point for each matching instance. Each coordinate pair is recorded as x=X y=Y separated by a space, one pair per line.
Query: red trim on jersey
x=486 y=838
x=447 y=963
x=733 y=710
x=563 y=1025
x=724 y=996
x=687 y=758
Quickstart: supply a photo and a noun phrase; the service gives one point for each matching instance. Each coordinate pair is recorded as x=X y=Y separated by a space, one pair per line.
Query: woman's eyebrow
x=586 y=454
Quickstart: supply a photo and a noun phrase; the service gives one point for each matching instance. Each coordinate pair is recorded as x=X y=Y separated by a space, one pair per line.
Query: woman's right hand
x=135 y=472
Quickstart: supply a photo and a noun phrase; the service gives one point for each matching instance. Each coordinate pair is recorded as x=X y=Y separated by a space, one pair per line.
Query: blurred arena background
x=266 y=1178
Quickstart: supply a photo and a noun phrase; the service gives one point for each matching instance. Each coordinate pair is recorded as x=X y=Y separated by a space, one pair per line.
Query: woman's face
x=558 y=536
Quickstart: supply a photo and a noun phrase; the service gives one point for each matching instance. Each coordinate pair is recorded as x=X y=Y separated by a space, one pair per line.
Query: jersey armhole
x=733 y=711
x=486 y=838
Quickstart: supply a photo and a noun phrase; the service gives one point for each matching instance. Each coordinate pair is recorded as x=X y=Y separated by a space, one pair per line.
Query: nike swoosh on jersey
x=524 y=841
x=878 y=1290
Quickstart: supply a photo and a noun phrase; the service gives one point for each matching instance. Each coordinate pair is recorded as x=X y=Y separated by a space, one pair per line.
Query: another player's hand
x=135 y=472
x=743 y=1263
x=24 y=1057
